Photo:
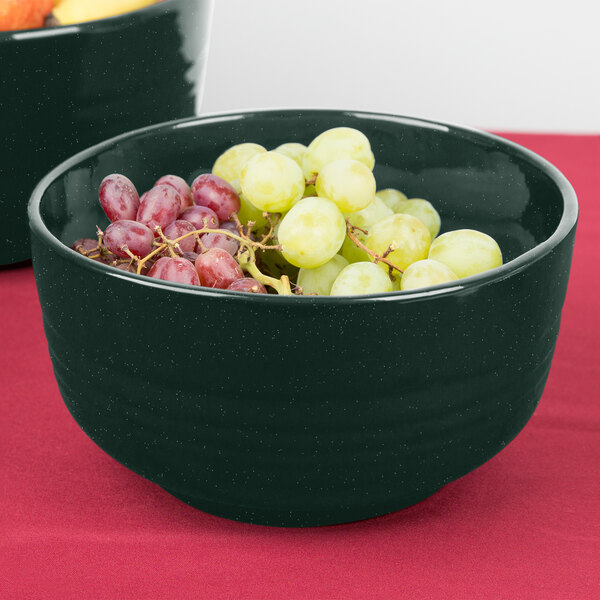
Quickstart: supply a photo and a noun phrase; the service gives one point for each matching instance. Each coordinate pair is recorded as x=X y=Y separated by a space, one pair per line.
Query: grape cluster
x=174 y=232
x=293 y=220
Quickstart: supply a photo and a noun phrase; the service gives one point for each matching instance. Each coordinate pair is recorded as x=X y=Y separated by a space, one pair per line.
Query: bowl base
x=302 y=518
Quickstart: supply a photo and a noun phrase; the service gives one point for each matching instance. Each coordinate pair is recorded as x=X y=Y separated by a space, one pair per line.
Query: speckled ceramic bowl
x=308 y=410
x=63 y=89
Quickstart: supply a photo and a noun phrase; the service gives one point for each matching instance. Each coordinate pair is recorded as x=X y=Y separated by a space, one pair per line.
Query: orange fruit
x=24 y=14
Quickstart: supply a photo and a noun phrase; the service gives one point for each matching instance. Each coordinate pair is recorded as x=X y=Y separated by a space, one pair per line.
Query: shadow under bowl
x=300 y=411
x=65 y=88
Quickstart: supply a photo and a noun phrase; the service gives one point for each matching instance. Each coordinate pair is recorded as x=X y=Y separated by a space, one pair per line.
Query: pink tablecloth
x=76 y=524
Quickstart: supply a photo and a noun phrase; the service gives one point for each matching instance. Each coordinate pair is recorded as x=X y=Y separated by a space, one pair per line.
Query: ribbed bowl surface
x=309 y=411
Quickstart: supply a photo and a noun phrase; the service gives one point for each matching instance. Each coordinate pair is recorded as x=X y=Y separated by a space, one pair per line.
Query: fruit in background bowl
x=33 y=14
x=24 y=14
x=67 y=12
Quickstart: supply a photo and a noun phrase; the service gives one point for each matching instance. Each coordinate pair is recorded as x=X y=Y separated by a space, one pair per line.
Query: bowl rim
x=93 y=26
x=567 y=222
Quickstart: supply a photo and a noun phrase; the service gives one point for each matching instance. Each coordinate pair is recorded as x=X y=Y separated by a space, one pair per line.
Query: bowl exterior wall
x=62 y=91
x=305 y=414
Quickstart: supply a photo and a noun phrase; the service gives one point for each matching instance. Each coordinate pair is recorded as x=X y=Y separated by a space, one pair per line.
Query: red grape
x=179 y=184
x=214 y=192
x=191 y=256
x=248 y=284
x=217 y=268
x=179 y=270
x=196 y=215
x=136 y=236
x=230 y=226
x=118 y=197
x=84 y=244
x=177 y=229
x=220 y=240
x=129 y=267
x=160 y=207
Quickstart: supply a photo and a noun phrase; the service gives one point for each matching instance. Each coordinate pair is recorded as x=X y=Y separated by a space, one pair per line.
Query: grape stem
x=239 y=225
x=203 y=248
x=102 y=251
x=170 y=243
x=99 y=248
x=129 y=253
x=377 y=258
x=247 y=259
x=272 y=224
x=100 y=235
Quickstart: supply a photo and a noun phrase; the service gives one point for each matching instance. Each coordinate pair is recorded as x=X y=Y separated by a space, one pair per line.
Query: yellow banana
x=68 y=12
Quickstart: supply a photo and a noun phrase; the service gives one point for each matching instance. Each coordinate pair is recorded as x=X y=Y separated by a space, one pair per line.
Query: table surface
x=74 y=523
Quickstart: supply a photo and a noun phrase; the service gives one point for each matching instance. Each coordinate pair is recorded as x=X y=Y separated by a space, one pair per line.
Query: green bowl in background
x=65 y=88
x=298 y=411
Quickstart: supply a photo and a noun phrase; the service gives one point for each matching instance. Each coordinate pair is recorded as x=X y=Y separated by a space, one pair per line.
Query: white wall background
x=520 y=65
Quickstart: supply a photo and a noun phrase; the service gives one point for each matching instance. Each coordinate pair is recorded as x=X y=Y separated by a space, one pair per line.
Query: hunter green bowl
x=63 y=89
x=298 y=411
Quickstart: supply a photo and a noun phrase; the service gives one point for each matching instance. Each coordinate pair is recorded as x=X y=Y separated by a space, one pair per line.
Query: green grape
x=408 y=237
x=272 y=182
x=424 y=273
x=235 y=184
x=366 y=217
x=249 y=212
x=393 y=198
x=335 y=144
x=424 y=211
x=319 y=280
x=312 y=232
x=229 y=165
x=292 y=150
x=466 y=251
x=349 y=183
x=361 y=278
x=296 y=202
x=351 y=252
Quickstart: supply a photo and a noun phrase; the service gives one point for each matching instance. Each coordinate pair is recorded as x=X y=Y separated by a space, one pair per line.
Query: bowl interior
x=474 y=180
